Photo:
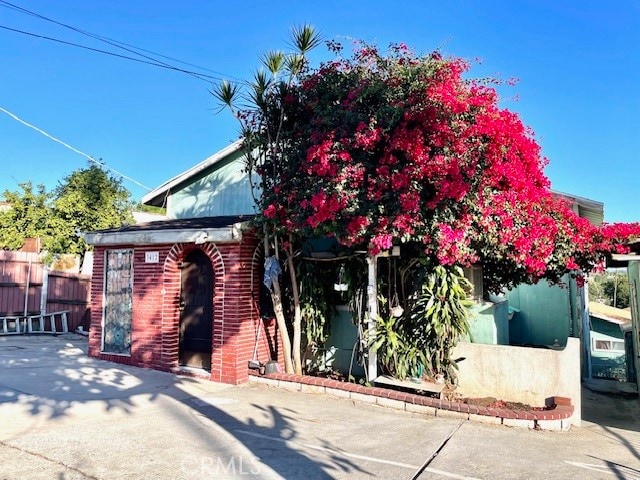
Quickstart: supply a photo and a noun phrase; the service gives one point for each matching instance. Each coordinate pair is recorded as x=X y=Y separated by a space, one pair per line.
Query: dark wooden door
x=196 y=305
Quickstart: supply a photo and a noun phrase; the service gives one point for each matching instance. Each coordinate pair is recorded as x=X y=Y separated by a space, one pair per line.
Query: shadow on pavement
x=617 y=417
x=53 y=378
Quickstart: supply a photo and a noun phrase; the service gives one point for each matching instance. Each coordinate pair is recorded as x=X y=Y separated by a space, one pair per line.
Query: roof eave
x=228 y=234
x=157 y=196
x=585 y=202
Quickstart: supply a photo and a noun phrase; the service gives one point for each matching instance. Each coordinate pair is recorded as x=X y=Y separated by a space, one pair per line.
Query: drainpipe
x=372 y=315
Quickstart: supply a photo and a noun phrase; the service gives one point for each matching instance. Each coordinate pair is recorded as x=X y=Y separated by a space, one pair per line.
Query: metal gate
x=118 y=302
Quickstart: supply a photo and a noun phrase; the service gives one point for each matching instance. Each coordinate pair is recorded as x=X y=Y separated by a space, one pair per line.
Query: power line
x=201 y=76
x=73 y=149
x=113 y=42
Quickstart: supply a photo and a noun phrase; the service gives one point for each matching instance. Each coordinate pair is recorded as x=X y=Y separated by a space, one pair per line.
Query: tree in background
x=611 y=288
x=88 y=199
x=28 y=216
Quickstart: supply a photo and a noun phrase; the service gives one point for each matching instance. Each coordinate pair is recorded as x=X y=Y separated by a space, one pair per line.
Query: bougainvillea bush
x=378 y=149
x=384 y=149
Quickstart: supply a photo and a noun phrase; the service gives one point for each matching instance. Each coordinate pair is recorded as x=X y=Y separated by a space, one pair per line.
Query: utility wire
x=91 y=159
x=133 y=49
x=200 y=76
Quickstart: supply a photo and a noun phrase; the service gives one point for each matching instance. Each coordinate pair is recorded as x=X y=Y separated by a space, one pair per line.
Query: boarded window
x=118 y=301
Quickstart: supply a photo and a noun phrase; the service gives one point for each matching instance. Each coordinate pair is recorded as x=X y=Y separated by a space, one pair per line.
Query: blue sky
x=577 y=63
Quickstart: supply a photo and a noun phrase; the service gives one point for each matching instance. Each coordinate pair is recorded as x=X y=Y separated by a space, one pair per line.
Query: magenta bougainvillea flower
x=383 y=149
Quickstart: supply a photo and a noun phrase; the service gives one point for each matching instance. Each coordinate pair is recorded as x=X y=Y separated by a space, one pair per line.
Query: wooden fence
x=27 y=288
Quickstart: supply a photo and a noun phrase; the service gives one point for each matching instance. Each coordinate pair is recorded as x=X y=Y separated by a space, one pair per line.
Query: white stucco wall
x=520 y=374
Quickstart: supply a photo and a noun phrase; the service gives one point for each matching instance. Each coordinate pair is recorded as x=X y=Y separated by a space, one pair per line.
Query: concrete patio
x=66 y=416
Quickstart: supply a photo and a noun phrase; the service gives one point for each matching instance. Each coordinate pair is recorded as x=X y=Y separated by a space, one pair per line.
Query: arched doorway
x=196 y=311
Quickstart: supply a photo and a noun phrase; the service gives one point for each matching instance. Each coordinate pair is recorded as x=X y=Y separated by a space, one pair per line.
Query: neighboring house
x=631 y=261
x=607 y=341
x=182 y=294
x=216 y=186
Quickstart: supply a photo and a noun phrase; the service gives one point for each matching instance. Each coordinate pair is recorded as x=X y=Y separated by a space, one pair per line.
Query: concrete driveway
x=66 y=416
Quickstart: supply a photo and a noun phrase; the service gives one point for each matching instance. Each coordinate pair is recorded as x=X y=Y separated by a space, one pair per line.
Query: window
x=118 y=302
x=474 y=275
x=600 y=345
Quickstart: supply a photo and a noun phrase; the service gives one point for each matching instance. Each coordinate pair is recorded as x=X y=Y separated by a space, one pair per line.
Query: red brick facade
x=237 y=269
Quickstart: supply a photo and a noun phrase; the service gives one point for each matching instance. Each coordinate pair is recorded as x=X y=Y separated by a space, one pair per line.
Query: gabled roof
x=609 y=314
x=157 y=196
x=585 y=207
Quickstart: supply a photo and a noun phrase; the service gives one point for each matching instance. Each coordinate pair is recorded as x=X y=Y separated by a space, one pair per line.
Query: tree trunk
x=276 y=298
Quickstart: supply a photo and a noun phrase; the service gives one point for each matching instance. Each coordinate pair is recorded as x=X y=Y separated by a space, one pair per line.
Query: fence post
x=44 y=291
x=26 y=292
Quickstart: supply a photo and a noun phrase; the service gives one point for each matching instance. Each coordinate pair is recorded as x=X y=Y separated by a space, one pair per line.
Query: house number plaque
x=151 y=257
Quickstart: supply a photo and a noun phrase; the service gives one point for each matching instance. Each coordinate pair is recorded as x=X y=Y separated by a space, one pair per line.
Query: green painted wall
x=489 y=323
x=222 y=189
x=482 y=328
x=344 y=335
x=545 y=314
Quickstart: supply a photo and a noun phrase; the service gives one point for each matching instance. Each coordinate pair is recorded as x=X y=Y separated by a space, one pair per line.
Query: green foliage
x=440 y=316
x=425 y=336
x=611 y=288
x=316 y=303
x=28 y=216
x=141 y=207
x=89 y=199
x=399 y=354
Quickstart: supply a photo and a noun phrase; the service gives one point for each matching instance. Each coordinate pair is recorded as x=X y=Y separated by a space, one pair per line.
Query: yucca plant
x=259 y=109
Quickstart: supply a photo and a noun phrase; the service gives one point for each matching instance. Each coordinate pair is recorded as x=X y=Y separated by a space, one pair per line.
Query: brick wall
x=156 y=315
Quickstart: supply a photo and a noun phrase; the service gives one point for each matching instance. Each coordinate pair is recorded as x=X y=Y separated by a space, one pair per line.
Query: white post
x=44 y=291
x=26 y=293
x=372 y=315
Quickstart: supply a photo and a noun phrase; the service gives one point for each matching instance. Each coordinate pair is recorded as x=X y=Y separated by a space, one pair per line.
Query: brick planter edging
x=559 y=418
